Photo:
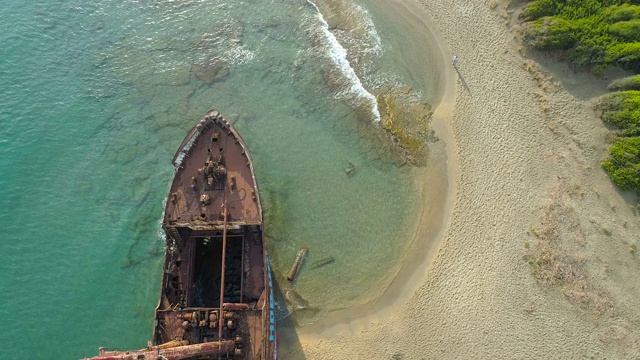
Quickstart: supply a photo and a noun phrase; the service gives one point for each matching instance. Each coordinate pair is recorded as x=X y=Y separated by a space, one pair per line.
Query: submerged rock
x=212 y=71
x=406 y=120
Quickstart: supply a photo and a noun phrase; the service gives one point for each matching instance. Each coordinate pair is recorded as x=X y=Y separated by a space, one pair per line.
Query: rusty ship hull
x=216 y=299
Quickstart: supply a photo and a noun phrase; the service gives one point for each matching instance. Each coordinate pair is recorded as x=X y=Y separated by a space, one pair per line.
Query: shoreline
x=523 y=153
x=442 y=170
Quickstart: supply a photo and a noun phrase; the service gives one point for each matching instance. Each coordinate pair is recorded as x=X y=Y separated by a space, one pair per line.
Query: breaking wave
x=338 y=55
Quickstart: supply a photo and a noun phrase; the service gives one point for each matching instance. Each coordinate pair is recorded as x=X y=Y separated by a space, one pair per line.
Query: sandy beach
x=536 y=253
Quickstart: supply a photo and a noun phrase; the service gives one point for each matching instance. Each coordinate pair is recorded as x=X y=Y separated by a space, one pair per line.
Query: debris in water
x=350 y=169
x=297 y=264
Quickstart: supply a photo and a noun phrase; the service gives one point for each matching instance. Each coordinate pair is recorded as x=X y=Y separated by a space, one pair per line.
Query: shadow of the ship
x=289 y=347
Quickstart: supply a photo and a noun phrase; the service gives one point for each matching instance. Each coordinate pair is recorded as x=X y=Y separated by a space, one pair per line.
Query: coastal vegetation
x=596 y=34
x=620 y=110
x=627 y=83
x=591 y=33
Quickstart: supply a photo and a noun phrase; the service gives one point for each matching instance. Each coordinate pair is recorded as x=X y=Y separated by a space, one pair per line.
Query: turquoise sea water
x=96 y=97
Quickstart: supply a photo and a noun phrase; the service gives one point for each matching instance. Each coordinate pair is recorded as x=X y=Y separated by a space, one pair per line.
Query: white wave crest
x=338 y=55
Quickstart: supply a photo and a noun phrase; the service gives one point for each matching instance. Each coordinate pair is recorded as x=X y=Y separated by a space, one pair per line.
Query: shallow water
x=96 y=98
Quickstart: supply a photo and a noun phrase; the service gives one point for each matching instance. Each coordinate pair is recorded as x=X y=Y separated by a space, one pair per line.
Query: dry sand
x=537 y=257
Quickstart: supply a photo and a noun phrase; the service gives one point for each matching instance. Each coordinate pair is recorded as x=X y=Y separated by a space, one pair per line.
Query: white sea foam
x=384 y=80
x=239 y=55
x=226 y=44
x=338 y=55
x=371 y=31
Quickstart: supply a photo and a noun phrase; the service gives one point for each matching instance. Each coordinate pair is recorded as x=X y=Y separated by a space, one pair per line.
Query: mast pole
x=224 y=254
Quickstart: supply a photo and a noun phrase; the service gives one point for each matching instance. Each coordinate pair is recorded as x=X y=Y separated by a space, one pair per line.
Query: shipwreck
x=216 y=299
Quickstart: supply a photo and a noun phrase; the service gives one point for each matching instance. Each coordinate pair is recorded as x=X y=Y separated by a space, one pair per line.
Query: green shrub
x=591 y=33
x=622 y=111
x=628 y=83
x=626 y=54
x=626 y=30
x=624 y=12
x=623 y=164
x=540 y=8
x=590 y=51
x=551 y=34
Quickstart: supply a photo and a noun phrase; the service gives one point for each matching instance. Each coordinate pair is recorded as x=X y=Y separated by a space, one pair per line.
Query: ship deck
x=214 y=285
x=213 y=168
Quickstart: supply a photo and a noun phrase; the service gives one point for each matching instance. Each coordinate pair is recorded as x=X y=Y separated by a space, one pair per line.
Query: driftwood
x=302 y=254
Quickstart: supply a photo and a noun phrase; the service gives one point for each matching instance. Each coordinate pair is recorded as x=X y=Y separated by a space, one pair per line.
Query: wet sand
x=522 y=181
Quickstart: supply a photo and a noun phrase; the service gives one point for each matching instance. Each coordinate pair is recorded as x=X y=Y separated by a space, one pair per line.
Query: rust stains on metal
x=173 y=353
x=224 y=252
